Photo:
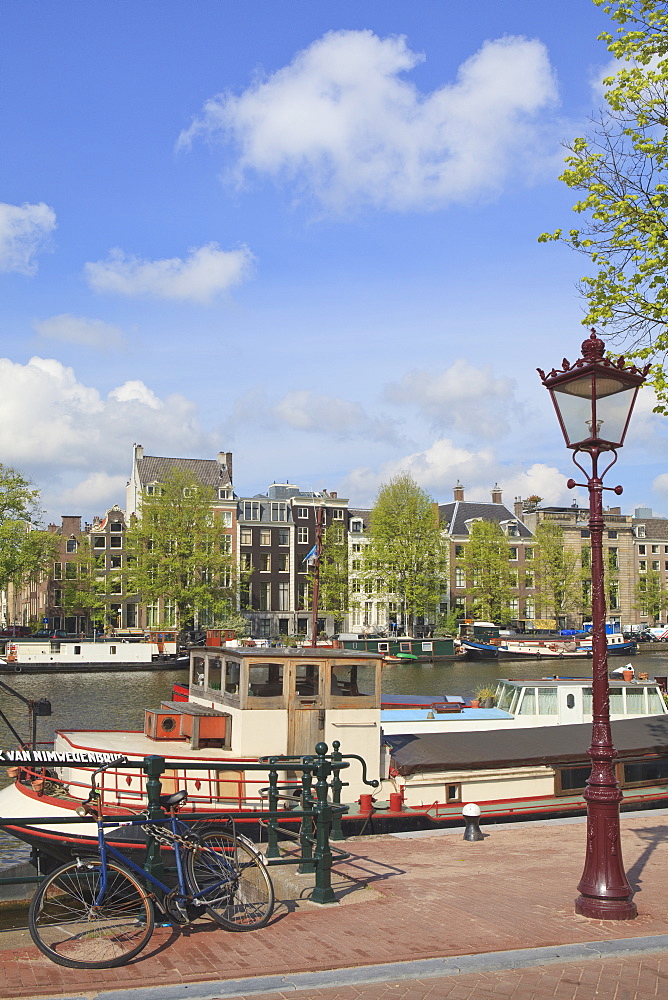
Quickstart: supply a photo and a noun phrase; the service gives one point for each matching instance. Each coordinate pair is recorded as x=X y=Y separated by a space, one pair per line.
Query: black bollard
x=471 y=814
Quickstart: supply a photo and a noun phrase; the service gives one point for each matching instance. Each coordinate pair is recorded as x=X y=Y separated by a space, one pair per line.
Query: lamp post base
x=606 y=909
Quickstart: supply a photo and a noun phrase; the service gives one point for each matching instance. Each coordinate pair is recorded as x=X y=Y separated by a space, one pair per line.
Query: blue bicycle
x=99 y=912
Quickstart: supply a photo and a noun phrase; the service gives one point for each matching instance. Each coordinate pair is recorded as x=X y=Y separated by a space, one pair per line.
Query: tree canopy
x=558 y=576
x=488 y=573
x=178 y=554
x=621 y=166
x=333 y=571
x=406 y=547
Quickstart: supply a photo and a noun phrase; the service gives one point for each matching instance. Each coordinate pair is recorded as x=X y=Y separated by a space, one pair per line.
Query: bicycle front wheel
x=70 y=927
x=229 y=876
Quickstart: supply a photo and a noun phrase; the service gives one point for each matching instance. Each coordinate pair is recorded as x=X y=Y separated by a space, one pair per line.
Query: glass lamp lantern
x=594 y=398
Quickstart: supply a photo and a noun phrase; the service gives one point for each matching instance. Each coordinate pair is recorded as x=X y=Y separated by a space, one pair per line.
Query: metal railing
x=320 y=810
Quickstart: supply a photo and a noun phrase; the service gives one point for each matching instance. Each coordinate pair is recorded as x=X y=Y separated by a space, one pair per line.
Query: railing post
x=272 y=823
x=153 y=767
x=336 y=785
x=323 y=892
x=307 y=866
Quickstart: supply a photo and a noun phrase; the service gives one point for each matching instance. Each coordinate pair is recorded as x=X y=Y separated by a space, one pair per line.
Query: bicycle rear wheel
x=69 y=928
x=233 y=881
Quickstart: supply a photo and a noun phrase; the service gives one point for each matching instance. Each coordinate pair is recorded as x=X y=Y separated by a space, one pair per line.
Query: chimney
x=518 y=507
x=225 y=459
x=139 y=452
x=458 y=491
x=496 y=494
x=334 y=495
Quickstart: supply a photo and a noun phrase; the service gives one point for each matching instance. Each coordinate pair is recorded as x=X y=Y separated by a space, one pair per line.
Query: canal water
x=117 y=701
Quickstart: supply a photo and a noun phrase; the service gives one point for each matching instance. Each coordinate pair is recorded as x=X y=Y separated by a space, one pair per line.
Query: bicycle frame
x=177 y=827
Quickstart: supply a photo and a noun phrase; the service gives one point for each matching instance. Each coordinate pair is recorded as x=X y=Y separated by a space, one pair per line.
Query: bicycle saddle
x=167 y=801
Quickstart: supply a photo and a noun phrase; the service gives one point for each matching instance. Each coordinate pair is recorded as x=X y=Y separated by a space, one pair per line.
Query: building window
x=655 y=564
x=302 y=594
x=528 y=553
x=356 y=526
x=337 y=515
x=356 y=564
x=223 y=494
x=71 y=545
x=613 y=559
x=642 y=566
x=265 y=536
x=514 y=607
x=245 y=561
x=57 y=571
x=613 y=596
x=57 y=598
x=279 y=512
x=265 y=562
x=459 y=551
x=265 y=597
x=283 y=536
x=640 y=531
x=529 y=610
x=284 y=597
x=460 y=577
x=251 y=511
x=70 y=571
x=99 y=542
x=115 y=562
x=302 y=536
x=612 y=534
x=115 y=585
x=356 y=586
x=655 y=549
x=641 y=550
x=226 y=518
x=528 y=580
x=584 y=533
x=302 y=511
x=116 y=542
x=246 y=536
x=226 y=544
x=283 y=565
x=512 y=552
x=357 y=547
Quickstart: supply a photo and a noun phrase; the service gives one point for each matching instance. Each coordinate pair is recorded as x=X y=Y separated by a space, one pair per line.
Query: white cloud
x=440 y=466
x=343 y=122
x=93 y=493
x=24 y=231
x=200 y=277
x=81 y=330
x=318 y=413
x=462 y=397
x=68 y=437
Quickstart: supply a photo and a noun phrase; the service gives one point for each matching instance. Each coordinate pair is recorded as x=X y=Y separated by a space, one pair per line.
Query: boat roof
x=523 y=747
x=557 y=682
x=289 y=652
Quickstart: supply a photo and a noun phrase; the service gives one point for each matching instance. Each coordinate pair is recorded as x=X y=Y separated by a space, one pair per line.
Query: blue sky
x=305 y=232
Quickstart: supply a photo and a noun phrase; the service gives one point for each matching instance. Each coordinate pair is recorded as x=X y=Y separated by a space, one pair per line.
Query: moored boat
x=59 y=655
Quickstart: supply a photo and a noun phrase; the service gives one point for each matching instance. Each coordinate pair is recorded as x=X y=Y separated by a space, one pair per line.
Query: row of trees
x=406 y=560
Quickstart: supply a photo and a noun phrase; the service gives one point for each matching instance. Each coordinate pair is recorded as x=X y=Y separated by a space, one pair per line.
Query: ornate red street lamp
x=594 y=399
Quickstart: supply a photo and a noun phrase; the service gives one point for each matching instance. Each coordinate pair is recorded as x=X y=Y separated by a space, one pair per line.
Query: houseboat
x=244 y=704
x=56 y=655
x=405 y=646
x=575 y=647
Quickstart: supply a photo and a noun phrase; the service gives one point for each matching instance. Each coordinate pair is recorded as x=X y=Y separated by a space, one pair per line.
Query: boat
x=479 y=640
x=156 y=649
x=576 y=647
x=245 y=704
x=405 y=647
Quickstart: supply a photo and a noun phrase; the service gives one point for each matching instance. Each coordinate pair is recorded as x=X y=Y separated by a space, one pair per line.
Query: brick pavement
x=433 y=897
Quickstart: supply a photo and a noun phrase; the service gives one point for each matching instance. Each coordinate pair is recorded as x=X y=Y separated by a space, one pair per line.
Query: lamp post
x=594 y=399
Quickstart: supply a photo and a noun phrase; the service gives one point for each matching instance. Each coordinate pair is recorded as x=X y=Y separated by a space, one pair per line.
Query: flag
x=312 y=555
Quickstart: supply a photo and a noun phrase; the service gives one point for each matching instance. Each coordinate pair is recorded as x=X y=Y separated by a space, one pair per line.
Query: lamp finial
x=593 y=348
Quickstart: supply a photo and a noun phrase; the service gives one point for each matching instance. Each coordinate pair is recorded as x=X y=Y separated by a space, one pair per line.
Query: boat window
x=232 y=671
x=514 y=701
x=355 y=680
x=198 y=671
x=215 y=670
x=572 y=779
x=405 y=647
x=528 y=703
x=505 y=697
x=570 y=701
x=307 y=679
x=645 y=772
x=587 y=701
x=55 y=647
x=383 y=647
x=428 y=647
x=616 y=701
x=77 y=650
x=635 y=701
x=453 y=793
x=547 y=701
x=265 y=680
x=656 y=705
x=112 y=650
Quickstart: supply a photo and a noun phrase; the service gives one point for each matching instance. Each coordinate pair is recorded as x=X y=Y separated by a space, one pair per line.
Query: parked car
x=15 y=632
x=50 y=633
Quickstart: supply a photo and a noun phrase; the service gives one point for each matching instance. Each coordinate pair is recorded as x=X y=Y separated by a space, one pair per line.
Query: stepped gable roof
x=524 y=747
x=209 y=472
x=455 y=514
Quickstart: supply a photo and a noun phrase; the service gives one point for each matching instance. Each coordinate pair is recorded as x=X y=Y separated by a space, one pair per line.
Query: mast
x=316 y=576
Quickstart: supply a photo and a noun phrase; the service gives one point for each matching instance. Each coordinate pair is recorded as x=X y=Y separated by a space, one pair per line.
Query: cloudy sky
x=304 y=232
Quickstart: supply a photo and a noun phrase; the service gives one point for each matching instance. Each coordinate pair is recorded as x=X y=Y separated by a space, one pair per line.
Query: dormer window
x=640 y=531
x=223 y=494
x=356 y=526
x=71 y=545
